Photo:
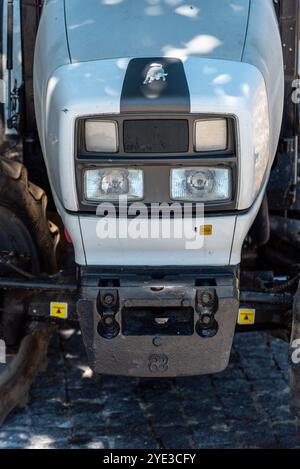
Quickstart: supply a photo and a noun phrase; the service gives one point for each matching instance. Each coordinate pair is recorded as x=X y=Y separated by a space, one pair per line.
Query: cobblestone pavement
x=244 y=407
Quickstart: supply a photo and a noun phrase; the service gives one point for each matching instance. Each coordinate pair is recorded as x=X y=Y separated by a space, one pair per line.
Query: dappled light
x=187 y=10
x=145 y=28
x=199 y=45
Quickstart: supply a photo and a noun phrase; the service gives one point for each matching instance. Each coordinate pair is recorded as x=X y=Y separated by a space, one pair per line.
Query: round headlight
x=201 y=184
x=108 y=184
x=201 y=181
x=114 y=183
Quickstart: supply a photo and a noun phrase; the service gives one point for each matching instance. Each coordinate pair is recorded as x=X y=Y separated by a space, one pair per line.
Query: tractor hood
x=110 y=29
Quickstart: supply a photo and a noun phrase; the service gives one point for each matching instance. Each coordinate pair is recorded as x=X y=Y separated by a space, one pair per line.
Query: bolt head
x=108 y=299
x=206 y=319
x=108 y=321
x=157 y=341
x=207 y=298
x=207 y=331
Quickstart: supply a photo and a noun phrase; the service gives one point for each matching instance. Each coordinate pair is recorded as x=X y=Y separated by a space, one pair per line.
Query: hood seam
x=66 y=31
x=246 y=33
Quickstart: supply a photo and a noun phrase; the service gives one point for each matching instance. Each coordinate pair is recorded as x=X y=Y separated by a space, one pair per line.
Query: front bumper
x=158 y=324
x=151 y=321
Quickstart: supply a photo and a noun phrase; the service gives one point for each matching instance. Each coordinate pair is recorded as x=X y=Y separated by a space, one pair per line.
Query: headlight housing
x=108 y=184
x=201 y=184
x=101 y=136
x=210 y=134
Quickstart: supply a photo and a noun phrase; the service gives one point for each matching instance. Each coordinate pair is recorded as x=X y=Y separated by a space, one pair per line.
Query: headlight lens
x=202 y=184
x=101 y=136
x=109 y=184
x=211 y=135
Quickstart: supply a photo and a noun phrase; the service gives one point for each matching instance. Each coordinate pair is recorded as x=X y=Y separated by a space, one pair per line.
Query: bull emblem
x=156 y=72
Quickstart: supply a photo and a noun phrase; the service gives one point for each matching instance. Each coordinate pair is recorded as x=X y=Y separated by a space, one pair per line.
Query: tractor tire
x=29 y=203
x=26 y=231
x=17 y=376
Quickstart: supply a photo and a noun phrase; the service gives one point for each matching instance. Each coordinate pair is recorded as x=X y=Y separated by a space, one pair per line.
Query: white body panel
x=221 y=249
x=73 y=91
x=143 y=28
x=94 y=88
x=51 y=52
x=215 y=249
x=84 y=75
x=263 y=49
x=243 y=224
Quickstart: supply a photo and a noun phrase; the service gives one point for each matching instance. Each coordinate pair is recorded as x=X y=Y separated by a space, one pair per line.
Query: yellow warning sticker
x=206 y=230
x=59 y=310
x=246 y=317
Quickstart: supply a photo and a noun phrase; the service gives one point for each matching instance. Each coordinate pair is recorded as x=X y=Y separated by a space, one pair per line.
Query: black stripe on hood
x=142 y=93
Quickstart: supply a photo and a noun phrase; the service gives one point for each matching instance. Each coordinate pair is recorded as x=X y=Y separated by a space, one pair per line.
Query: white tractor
x=165 y=136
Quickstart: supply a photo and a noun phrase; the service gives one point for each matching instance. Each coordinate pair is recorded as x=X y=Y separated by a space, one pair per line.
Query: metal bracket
x=2 y=351
x=282 y=186
x=13 y=119
x=108 y=306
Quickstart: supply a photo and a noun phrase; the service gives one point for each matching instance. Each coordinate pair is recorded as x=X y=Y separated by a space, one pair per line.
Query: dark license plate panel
x=156 y=136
